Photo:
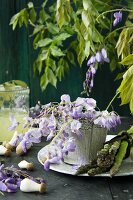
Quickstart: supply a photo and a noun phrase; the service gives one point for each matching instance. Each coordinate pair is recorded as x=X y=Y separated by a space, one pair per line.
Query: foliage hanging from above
x=69 y=32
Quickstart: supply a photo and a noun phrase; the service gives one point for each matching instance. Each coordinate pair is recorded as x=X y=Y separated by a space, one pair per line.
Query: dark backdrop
x=16 y=62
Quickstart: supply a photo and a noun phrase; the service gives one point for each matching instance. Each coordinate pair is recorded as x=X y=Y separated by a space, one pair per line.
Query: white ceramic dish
x=126 y=168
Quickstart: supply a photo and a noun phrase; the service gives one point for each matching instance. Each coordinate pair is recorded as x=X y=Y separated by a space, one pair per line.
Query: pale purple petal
x=75 y=125
x=65 y=98
x=98 y=56
x=118 y=14
x=46 y=165
x=11 y=187
x=104 y=53
x=3 y=186
x=118 y=18
x=55 y=159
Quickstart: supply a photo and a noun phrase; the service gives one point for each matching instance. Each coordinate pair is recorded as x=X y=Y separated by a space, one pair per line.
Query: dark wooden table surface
x=67 y=187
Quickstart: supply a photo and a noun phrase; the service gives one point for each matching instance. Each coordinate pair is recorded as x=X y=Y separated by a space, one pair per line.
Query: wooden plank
x=121 y=187
x=13 y=45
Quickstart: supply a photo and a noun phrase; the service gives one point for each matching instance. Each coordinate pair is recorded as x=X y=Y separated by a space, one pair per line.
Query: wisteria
x=99 y=57
x=60 y=123
x=118 y=18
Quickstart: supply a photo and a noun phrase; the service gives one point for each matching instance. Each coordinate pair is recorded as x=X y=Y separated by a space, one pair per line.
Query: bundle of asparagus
x=109 y=159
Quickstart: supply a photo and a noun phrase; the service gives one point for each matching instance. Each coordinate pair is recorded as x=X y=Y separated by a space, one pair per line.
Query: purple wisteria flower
x=99 y=57
x=89 y=81
x=65 y=98
x=14 y=123
x=118 y=18
x=107 y=120
x=52 y=155
x=75 y=126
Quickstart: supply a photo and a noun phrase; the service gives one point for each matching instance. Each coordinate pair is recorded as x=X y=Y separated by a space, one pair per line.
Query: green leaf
x=44 y=81
x=96 y=36
x=52 y=28
x=86 y=4
x=130 y=130
x=14 y=20
x=63 y=67
x=60 y=18
x=87 y=48
x=119 y=76
x=70 y=57
x=42 y=16
x=62 y=37
x=123 y=48
x=128 y=73
x=44 y=3
x=56 y=52
x=37 y=29
x=30 y=5
x=32 y=15
x=85 y=18
x=126 y=89
x=44 y=42
x=37 y=65
x=127 y=60
x=51 y=77
x=52 y=64
x=81 y=50
x=43 y=55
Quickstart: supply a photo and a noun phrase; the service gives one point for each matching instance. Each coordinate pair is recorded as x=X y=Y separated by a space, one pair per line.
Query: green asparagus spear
x=119 y=157
x=106 y=160
x=131 y=152
x=96 y=170
x=84 y=169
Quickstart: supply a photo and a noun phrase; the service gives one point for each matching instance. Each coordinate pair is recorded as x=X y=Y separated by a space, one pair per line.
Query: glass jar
x=14 y=106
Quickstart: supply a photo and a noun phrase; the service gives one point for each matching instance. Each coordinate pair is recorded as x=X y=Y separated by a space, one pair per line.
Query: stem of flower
x=112 y=100
x=62 y=129
x=114 y=10
x=116 y=30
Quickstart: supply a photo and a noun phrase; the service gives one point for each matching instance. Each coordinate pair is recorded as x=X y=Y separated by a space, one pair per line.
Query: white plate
x=126 y=168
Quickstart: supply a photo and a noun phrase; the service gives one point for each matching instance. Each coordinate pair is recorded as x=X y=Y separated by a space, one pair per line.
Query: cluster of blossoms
x=99 y=57
x=59 y=123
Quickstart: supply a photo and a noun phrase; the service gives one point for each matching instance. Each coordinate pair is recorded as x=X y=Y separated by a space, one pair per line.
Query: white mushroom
x=28 y=185
x=10 y=145
x=19 y=149
x=4 y=151
x=26 y=165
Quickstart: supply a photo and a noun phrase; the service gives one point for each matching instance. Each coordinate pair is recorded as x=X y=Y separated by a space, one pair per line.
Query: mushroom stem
x=4 y=151
x=28 y=185
x=26 y=165
x=13 y=142
x=19 y=149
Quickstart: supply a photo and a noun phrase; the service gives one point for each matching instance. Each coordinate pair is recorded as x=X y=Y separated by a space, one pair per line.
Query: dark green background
x=16 y=62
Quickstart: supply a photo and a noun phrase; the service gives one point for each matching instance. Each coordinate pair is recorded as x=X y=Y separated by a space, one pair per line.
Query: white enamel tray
x=126 y=168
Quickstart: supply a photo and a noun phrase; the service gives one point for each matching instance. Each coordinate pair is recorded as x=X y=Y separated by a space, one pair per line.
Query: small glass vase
x=14 y=103
x=92 y=140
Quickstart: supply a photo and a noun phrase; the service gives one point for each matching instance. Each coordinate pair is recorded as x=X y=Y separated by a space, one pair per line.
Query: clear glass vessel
x=14 y=106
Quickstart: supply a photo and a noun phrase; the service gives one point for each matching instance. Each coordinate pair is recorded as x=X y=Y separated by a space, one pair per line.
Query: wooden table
x=67 y=187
